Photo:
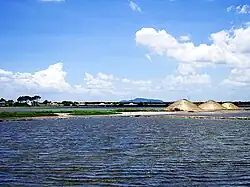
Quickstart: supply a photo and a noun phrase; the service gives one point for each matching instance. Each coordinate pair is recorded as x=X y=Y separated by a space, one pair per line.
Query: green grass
x=6 y=115
x=14 y=115
x=10 y=115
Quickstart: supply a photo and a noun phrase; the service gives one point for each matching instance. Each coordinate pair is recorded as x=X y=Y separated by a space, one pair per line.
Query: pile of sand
x=230 y=106
x=211 y=106
x=183 y=105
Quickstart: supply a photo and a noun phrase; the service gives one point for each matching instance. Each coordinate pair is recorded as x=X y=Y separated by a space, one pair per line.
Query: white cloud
x=125 y=80
x=148 y=57
x=134 y=6
x=230 y=8
x=184 y=38
x=53 y=81
x=52 y=78
x=100 y=81
x=238 y=77
x=187 y=81
x=187 y=69
x=240 y=9
x=228 y=47
x=3 y=72
x=244 y=9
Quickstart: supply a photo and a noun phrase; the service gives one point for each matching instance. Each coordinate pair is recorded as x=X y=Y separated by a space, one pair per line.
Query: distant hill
x=142 y=100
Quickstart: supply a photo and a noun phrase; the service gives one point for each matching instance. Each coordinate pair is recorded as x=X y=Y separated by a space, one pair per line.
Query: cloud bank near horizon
x=53 y=80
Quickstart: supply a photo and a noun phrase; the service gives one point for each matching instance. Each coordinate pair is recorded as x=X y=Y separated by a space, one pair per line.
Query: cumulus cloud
x=240 y=9
x=134 y=6
x=186 y=82
x=3 y=72
x=187 y=69
x=184 y=38
x=231 y=47
x=238 y=77
x=53 y=80
x=228 y=47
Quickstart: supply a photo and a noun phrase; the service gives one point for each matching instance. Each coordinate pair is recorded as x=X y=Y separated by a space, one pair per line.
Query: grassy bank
x=27 y=114
x=14 y=115
x=9 y=115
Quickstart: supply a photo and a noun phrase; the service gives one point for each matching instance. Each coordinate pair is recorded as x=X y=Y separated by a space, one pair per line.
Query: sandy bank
x=162 y=114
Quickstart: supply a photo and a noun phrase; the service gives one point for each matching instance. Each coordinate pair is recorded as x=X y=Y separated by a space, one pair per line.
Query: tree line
x=31 y=101
x=22 y=101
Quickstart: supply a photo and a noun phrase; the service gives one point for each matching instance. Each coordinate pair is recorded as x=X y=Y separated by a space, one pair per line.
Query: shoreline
x=156 y=114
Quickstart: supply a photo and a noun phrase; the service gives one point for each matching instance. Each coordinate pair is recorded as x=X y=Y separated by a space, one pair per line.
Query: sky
x=110 y=50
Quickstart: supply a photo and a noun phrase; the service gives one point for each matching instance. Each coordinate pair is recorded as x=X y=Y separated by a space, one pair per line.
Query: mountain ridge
x=142 y=100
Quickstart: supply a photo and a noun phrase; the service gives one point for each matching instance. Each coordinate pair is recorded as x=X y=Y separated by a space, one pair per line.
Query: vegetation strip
x=7 y=115
x=30 y=114
x=70 y=112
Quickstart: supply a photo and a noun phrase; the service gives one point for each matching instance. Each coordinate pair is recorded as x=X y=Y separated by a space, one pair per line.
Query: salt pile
x=183 y=105
x=230 y=106
x=211 y=106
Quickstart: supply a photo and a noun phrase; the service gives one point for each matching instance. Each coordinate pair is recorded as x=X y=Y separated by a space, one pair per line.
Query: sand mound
x=183 y=105
x=211 y=106
x=230 y=106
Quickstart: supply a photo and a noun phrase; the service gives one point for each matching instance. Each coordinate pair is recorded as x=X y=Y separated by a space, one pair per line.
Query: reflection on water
x=125 y=152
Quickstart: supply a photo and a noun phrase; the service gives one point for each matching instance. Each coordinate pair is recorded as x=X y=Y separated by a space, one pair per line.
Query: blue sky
x=118 y=49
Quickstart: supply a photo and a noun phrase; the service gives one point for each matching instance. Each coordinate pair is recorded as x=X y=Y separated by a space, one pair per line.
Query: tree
x=20 y=99
x=10 y=103
x=25 y=99
x=76 y=103
x=67 y=103
x=46 y=102
x=2 y=100
x=140 y=104
x=35 y=100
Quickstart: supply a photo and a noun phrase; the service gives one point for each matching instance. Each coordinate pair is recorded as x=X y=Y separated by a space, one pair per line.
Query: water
x=122 y=151
x=228 y=114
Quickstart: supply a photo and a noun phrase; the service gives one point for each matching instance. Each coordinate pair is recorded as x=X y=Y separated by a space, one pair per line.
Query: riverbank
x=57 y=114
x=233 y=115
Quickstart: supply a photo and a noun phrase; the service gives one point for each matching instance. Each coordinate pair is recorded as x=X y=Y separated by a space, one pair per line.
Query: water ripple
x=125 y=152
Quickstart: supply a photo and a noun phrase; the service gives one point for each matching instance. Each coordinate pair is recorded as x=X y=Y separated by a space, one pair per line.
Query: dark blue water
x=125 y=152
x=227 y=114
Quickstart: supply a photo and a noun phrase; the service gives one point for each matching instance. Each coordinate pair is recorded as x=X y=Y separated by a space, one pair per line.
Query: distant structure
x=230 y=106
x=211 y=106
x=183 y=105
